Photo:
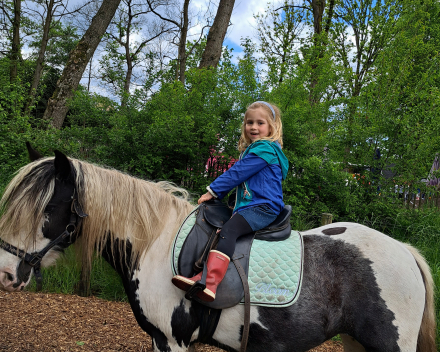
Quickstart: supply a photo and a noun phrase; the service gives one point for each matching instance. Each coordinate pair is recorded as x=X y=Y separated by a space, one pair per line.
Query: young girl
x=257 y=176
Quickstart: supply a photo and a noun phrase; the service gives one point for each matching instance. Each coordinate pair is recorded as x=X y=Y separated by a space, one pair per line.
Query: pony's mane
x=124 y=207
x=119 y=206
x=24 y=200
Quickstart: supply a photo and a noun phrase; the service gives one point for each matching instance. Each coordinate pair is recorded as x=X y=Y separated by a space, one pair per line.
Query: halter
x=34 y=259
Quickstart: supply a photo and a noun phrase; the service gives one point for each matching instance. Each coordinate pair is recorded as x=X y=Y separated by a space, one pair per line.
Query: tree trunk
x=126 y=92
x=15 y=47
x=213 y=50
x=40 y=59
x=319 y=42
x=182 y=44
x=79 y=57
x=318 y=7
x=128 y=58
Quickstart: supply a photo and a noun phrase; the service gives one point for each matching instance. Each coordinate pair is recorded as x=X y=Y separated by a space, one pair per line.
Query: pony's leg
x=350 y=344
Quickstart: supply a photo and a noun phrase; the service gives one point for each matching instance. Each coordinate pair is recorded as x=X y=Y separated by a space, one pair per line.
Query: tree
x=127 y=24
x=57 y=107
x=399 y=108
x=183 y=28
x=13 y=16
x=278 y=33
x=40 y=58
x=216 y=35
x=318 y=12
x=54 y=9
x=372 y=24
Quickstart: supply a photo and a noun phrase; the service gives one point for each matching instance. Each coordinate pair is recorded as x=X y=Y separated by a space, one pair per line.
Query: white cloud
x=243 y=22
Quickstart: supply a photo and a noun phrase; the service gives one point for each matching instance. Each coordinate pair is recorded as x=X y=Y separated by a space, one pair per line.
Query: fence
x=422 y=200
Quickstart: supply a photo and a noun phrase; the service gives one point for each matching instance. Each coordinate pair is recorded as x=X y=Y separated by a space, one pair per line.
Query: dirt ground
x=40 y=322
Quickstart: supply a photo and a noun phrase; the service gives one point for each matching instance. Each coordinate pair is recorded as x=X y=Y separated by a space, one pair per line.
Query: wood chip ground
x=40 y=322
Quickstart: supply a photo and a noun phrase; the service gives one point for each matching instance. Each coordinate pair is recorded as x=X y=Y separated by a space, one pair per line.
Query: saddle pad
x=275 y=267
x=275 y=271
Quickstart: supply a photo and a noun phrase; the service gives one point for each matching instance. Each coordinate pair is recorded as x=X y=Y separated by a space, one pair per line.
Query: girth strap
x=209 y=318
x=247 y=304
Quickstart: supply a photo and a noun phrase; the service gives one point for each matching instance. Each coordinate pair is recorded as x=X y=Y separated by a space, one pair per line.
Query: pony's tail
x=427 y=333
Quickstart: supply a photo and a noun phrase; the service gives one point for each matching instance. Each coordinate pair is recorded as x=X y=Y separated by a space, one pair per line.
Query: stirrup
x=194 y=289
x=199 y=285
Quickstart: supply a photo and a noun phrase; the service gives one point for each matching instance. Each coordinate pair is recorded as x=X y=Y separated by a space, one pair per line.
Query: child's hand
x=205 y=197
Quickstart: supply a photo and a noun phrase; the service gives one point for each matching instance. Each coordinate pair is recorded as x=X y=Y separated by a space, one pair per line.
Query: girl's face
x=256 y=126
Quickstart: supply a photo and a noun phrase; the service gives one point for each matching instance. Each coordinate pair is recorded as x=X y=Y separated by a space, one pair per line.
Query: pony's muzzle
x=9 y=282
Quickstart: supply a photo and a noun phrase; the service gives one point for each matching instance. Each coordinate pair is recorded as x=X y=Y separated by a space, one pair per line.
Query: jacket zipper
x=246 y=191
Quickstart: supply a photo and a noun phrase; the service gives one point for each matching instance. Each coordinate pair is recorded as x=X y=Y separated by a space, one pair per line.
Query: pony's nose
x=9 y=277
x=7 y=280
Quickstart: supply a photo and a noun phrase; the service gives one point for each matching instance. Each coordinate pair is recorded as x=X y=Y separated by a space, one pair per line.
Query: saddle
x=203 y=237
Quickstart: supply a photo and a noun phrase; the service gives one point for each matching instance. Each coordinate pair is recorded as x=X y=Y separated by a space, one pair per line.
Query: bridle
x=33 y=260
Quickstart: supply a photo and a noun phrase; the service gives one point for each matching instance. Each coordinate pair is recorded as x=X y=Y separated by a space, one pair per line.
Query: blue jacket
x=257 y=176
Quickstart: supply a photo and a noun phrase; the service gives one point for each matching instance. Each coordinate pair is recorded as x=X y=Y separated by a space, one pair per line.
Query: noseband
x=33 y=260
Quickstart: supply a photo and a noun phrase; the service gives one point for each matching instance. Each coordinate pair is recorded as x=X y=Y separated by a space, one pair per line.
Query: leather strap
x=247 y=304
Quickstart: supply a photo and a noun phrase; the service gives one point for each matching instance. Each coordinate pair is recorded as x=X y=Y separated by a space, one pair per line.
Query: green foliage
x=62 y=40
x=14 y=128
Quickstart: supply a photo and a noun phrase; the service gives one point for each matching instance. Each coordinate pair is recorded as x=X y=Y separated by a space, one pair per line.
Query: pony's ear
x=62 y=165
x=33 y=154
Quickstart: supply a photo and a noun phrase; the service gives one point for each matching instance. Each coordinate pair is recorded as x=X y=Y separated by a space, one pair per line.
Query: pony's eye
x=49 y=209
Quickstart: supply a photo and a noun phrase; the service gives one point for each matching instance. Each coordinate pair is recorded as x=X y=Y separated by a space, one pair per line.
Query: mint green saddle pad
x=275 y=267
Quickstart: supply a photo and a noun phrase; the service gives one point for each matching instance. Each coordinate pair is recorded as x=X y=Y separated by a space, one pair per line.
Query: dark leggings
x=234 y=228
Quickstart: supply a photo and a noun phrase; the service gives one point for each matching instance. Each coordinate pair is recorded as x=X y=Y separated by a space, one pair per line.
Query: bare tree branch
x=160 y=16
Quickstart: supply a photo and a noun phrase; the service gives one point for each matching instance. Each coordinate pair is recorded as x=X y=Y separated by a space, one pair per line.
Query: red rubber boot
x=217 y=266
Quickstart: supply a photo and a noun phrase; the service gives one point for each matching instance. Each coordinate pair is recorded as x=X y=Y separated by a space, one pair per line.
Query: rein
x=33 y=260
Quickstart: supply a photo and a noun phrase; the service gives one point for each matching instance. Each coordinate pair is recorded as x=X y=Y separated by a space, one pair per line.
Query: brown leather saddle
x=203 y=237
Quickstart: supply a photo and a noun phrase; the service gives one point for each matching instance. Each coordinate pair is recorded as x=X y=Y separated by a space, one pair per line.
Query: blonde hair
x=275 y=125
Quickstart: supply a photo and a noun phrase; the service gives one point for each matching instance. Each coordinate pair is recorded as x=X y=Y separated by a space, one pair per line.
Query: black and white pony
x=374 y=291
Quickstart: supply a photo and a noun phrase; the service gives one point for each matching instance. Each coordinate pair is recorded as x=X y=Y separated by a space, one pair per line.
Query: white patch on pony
x=397 y=275
x=229 y=325
x=159 y=297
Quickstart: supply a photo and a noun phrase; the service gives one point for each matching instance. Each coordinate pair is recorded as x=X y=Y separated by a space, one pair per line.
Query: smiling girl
x=257 y=176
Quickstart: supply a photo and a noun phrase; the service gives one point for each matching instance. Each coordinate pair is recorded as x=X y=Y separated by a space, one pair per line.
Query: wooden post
x=326 y=219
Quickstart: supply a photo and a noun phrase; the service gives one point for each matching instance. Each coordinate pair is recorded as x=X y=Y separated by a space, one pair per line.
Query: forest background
x=357 y=83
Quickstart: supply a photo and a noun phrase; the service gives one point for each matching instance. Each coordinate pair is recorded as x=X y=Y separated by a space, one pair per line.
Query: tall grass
x=65 y=276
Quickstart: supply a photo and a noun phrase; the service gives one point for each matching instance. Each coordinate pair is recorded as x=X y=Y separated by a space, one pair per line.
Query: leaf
x=79 y=343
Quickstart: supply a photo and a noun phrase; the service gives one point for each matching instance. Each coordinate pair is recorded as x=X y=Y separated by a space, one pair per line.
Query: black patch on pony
x=183 y=324
x=339 y=295
x=334 y=231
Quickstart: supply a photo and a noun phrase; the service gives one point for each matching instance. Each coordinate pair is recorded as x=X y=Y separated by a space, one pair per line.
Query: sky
x=243 y=22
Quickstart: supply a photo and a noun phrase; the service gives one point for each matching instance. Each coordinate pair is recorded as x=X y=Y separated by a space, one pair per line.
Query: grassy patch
x=65 y=275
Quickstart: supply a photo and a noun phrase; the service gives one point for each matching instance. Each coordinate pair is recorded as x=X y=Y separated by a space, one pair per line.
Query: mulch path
x=40 y=322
